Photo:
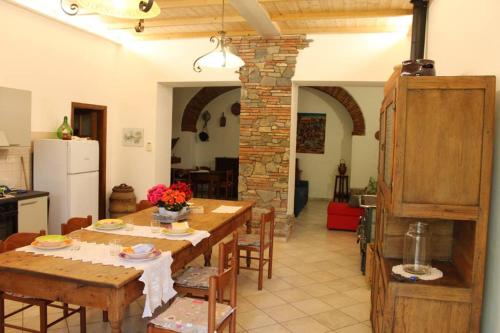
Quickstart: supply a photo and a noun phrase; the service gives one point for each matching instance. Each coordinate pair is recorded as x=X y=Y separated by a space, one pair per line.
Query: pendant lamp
x=221 y=56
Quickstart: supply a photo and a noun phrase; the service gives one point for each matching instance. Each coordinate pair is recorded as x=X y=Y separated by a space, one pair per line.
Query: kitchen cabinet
x=32 y=214
x=15 y=116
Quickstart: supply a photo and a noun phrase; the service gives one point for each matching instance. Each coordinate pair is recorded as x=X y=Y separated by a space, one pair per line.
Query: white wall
x=60 y=65
x=462 y=39
x=223 y=141
x=320 y=169
x=364 y=160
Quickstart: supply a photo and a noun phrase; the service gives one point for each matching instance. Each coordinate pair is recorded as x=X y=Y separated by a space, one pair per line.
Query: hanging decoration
x=127 y=9
x=221 y=56
x=203 y=135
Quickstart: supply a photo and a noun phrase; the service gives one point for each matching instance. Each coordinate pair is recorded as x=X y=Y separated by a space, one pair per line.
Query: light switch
x=149 y=146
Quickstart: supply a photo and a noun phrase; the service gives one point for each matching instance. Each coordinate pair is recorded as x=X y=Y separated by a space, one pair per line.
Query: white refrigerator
x=69 y=171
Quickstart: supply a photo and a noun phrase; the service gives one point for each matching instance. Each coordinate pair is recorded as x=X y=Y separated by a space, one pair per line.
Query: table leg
x=116 y=312
x=208 y=257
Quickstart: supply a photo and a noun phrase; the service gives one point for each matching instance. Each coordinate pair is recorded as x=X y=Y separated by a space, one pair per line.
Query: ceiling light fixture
x=127 y=9
x=221 y=56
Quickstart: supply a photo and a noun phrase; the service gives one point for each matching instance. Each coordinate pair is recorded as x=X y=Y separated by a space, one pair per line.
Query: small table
x=341 y=189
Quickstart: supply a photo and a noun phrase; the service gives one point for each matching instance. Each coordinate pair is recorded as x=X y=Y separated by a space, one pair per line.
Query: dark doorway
x=89 y=121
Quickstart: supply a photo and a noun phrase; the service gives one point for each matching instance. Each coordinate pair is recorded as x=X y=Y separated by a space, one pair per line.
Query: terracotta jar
x=122 y=201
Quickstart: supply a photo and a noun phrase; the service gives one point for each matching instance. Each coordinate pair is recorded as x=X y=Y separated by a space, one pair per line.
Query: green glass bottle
x=65 y=131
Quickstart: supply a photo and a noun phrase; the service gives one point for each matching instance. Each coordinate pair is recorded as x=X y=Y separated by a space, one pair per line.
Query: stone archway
x=198 y=103
x=341 y=95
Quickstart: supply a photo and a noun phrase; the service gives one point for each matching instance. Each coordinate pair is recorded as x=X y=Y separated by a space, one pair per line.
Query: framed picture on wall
x=133 y=137
x=311 y=133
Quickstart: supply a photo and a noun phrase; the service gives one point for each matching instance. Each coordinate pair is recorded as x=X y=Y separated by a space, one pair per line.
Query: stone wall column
x=265 y=122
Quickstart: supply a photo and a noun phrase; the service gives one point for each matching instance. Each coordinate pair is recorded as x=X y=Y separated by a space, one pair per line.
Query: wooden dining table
x=106 y=287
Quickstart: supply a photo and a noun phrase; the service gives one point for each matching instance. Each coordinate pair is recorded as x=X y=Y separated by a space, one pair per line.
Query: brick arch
x=198 y=103
x=341 y=95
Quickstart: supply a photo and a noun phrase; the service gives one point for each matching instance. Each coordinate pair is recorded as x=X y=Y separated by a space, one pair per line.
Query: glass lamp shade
x=215 y=59
x=128 y=9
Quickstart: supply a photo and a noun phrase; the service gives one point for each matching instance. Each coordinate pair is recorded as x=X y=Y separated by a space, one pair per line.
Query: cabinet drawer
x=32 y=214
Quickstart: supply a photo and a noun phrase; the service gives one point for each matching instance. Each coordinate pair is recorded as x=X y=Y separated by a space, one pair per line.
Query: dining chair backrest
x=217 y=285
x=76 y=223
x=143 y=204
x=227 y=251
x=18 y=240
x=267 y=227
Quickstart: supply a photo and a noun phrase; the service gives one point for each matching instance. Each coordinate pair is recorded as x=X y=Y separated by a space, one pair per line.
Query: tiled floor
x=316 y=287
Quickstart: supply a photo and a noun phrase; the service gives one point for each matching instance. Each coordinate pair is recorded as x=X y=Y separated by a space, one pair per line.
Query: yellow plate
x=169 y=232
x=110 y=224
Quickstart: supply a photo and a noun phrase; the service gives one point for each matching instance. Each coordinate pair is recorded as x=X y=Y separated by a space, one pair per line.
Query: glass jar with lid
x=417 y=249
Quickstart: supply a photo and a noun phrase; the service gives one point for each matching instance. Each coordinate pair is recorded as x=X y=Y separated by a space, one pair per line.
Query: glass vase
x=417 y=249
x=65 y=132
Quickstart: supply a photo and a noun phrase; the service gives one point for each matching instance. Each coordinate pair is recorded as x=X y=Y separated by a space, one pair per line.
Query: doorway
x=89 y=121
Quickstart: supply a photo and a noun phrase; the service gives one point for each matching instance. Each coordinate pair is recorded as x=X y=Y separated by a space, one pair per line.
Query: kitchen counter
x=22 y=196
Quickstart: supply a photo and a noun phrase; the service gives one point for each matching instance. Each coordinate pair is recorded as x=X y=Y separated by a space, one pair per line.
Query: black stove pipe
x=418 y=28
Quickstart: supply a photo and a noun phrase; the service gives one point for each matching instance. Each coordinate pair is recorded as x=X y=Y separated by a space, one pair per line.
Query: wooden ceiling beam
x=346 y=14
x=194 y=34
x=316 y=30
x=176 y=21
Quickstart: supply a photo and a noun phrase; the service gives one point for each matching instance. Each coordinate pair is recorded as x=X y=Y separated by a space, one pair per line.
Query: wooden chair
x=194 y=281
x=143 y=204
x=76 y=223
x=218 y=314
x=259 y=243
x=11 y=243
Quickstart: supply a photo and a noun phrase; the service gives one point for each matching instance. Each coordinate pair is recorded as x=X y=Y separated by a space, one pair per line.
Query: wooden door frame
x=102 y=118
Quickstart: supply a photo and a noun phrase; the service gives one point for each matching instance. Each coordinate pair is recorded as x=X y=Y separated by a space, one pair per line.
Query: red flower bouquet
x=173 y=198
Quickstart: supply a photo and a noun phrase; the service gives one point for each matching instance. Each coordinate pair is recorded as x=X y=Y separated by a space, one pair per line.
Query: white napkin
x=156 y=276
x=226 y=209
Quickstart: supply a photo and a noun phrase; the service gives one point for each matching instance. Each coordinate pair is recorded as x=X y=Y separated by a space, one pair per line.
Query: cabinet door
x=443 y=158
x=32 y=214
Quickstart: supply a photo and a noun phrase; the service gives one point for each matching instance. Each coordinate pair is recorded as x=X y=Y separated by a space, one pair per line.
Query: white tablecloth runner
x=156 y=276
x=143 y=231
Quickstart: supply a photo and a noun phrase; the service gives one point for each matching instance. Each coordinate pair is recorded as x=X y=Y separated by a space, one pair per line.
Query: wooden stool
x=341 y=189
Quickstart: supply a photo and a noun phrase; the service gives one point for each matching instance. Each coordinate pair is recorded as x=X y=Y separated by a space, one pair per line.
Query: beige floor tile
x=338 y=300
x=303 y=325
x=265 y=300
x=341 y=285
x=254 y=319
x=335 y=319
x=292 y=295
x=276 y=284
x=322 y=276
x=312 y=306
x=358 y=328
x=360 y=312
x=317 y=290
x=244 y=305
x=285 y=312
x=361 y=294
x=298 y=280
x=270 y=329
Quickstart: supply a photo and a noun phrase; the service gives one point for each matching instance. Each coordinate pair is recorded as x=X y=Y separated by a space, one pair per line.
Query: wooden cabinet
x=32 y=214
x=435 y=164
